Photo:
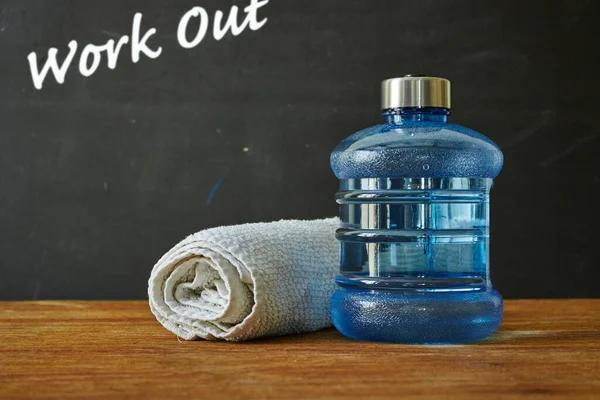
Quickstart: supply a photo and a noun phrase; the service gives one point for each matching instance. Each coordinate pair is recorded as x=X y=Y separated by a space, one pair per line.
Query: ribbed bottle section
x=414 y=234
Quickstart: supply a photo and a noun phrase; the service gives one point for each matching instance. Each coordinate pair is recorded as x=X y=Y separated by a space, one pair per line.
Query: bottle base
x=419 y=317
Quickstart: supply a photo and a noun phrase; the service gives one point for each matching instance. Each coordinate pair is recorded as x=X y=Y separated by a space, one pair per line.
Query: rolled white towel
x=247 y=281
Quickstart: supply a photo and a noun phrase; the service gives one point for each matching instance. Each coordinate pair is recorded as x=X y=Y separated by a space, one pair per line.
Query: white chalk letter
x=112 y=51
x=88 y=50
x=139 y=46
x=51 y=64
x=252 y=10
x=202 y=28
x=220 y=30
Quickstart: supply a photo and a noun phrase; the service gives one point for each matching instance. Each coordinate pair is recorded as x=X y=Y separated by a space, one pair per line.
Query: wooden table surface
x=88 y=350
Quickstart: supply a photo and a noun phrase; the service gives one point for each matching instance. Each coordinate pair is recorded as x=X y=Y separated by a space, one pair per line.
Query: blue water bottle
x=414 y=234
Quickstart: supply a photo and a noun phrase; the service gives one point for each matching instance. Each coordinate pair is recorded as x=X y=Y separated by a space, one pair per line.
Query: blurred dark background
x=101 y=175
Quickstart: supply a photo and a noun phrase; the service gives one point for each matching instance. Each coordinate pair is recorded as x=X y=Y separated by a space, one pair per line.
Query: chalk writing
x=91 y=55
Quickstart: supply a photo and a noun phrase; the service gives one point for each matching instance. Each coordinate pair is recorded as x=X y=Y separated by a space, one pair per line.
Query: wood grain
x=99 y=350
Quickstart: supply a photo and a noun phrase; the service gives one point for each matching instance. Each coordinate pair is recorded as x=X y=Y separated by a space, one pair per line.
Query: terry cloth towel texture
x=247 y=281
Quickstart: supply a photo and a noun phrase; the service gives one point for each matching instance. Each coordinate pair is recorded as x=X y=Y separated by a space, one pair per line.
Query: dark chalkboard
x=102 y=174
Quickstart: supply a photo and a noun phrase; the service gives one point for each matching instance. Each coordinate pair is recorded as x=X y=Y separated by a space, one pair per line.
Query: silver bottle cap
x=415 y=91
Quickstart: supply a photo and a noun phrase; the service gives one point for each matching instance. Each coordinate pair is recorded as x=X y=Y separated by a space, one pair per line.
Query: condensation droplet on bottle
x=425 y=167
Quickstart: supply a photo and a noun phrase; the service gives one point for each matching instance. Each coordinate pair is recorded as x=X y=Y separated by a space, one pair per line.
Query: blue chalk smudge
x=214 y=189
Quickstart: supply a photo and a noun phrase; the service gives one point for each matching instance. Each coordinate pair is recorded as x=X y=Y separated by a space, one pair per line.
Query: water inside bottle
x=419 y=234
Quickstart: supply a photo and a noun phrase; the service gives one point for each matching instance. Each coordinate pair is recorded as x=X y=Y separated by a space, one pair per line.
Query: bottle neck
x=399 y=115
